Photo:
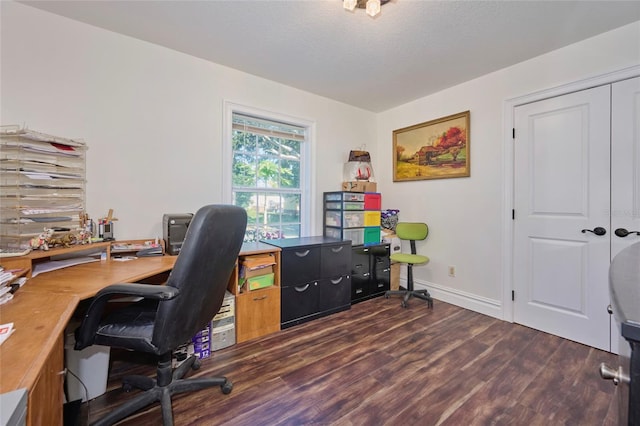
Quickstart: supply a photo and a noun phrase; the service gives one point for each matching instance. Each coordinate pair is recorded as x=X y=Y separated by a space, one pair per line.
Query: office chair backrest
x=201 y=272
x=412 y=231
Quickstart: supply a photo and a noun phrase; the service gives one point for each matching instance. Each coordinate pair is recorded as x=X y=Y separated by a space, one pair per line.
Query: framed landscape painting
x=436 y=149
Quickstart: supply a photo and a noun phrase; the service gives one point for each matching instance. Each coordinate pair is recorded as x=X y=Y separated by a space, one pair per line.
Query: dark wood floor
x=381 y=364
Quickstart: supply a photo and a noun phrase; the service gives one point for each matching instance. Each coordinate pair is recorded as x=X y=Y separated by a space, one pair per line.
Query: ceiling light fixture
x=372 y=6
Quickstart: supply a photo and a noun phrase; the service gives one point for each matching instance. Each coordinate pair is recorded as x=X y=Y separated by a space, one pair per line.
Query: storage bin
x=372 y=218
x=223 y=337
x=344 y=196
x=344 y=205
x=355 y=235
x=353 y=219
x=261 y=281
x=89 y=368
x=333 y=218
x=372 y=201
x=371 y=235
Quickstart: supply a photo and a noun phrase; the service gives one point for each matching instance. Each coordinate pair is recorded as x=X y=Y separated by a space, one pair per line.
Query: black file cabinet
x=315 y=278
x=370 y=271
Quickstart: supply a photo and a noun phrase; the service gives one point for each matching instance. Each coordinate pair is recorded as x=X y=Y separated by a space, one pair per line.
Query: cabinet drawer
x=335 y=260
x=335 y=293
x=380 y=256
x=345 y=219
x=257 y=313
x=344 y=205
x=372 y=218
x=300 y=265
x=359 y=286
x=299 y=301
x=372 y=235
x=372 y=201
x=344 y=196
x=381 y=281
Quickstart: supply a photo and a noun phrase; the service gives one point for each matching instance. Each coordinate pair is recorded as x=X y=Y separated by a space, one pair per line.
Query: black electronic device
x=174 y=229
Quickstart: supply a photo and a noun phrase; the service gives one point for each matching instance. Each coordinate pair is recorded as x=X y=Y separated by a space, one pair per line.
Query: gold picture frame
x=436 y=149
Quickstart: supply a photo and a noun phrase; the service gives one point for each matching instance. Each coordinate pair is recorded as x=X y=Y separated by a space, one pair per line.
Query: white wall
x=152 y=117
x=466 y=215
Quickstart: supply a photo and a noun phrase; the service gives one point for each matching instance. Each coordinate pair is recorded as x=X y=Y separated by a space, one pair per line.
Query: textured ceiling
x=412 y=49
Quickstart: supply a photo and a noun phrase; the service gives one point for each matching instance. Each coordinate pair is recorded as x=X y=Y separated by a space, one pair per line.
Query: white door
x=625 y=162
x=561 y=198
x=625 y=172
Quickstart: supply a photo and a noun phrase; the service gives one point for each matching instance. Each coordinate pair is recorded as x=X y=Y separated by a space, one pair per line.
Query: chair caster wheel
x=403 y=304
x=227 y=387
x=196 y=364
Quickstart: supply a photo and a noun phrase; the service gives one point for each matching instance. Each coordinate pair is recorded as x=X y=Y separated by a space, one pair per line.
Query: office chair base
x=408 y=294
x=152 y=392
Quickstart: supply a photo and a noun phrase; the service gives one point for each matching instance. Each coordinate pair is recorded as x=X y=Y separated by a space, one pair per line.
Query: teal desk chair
x=412 y=232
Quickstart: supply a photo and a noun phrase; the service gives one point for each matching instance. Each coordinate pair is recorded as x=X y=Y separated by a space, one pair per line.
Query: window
x=267 y=175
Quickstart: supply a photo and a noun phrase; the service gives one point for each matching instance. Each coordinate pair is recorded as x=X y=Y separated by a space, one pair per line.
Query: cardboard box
x=249 y=273
x=359 y=186
x=395 y=276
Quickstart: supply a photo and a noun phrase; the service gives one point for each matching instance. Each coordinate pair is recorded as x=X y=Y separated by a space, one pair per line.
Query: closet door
x=625 y=159
x=561 y=226
x=625 y=172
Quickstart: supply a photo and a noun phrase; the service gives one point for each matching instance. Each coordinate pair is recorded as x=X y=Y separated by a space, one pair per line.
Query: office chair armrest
x=147 y=291
x=85 y=334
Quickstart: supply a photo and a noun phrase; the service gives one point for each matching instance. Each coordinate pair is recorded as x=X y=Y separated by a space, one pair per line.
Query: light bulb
x=373 y=7
x=350 y=5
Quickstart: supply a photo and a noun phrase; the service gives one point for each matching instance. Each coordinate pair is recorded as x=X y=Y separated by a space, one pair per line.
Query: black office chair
x=411 y=231
x=170 y=315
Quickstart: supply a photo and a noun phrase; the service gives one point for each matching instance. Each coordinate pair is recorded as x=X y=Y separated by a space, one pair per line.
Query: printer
x=174 y=229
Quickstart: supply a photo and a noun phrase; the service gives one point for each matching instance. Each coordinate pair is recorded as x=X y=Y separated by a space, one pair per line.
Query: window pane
x=266 y=177
x=244 y=170
x=290 y=149
x=291 y=231
x=243 y=141
x=291 y=208
x=289 y=174
x=246 y=200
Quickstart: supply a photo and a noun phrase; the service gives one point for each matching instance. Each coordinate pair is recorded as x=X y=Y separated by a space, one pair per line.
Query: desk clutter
x=42 y=180
x=218 y=334
x=256 y=271
x=10 y=281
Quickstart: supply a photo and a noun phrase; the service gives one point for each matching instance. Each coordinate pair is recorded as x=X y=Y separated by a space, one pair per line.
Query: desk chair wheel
x=196 y=364
x=227 y=387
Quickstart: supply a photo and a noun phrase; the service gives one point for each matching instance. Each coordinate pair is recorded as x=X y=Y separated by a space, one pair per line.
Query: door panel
x=559 y=258
x=625 y=158
x=561 y=187
x=625 y=170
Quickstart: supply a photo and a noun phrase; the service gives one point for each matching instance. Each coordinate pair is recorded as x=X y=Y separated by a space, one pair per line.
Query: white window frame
x=306 y=200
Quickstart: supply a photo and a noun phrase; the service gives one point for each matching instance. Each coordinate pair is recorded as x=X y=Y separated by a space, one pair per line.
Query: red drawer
x=372 y=201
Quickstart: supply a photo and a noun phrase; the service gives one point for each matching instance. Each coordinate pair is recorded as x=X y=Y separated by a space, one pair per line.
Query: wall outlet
x=452 y=271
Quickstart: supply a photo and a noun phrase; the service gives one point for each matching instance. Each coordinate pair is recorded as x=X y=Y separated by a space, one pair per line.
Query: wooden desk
x=33 y=356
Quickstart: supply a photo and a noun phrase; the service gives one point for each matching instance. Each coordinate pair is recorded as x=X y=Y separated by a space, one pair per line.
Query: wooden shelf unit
x=257 y=311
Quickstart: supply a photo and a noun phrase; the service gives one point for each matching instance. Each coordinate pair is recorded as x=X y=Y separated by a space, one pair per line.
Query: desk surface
x=39 y=320
x=87 y=279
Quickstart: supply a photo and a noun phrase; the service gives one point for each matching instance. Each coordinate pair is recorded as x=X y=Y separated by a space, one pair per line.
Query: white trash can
x=88 y=367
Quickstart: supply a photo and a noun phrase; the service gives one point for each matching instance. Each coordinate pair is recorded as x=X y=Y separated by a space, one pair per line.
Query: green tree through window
x=267 y=176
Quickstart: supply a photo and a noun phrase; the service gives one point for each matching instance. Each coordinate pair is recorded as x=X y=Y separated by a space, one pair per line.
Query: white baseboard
x=483 y=305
